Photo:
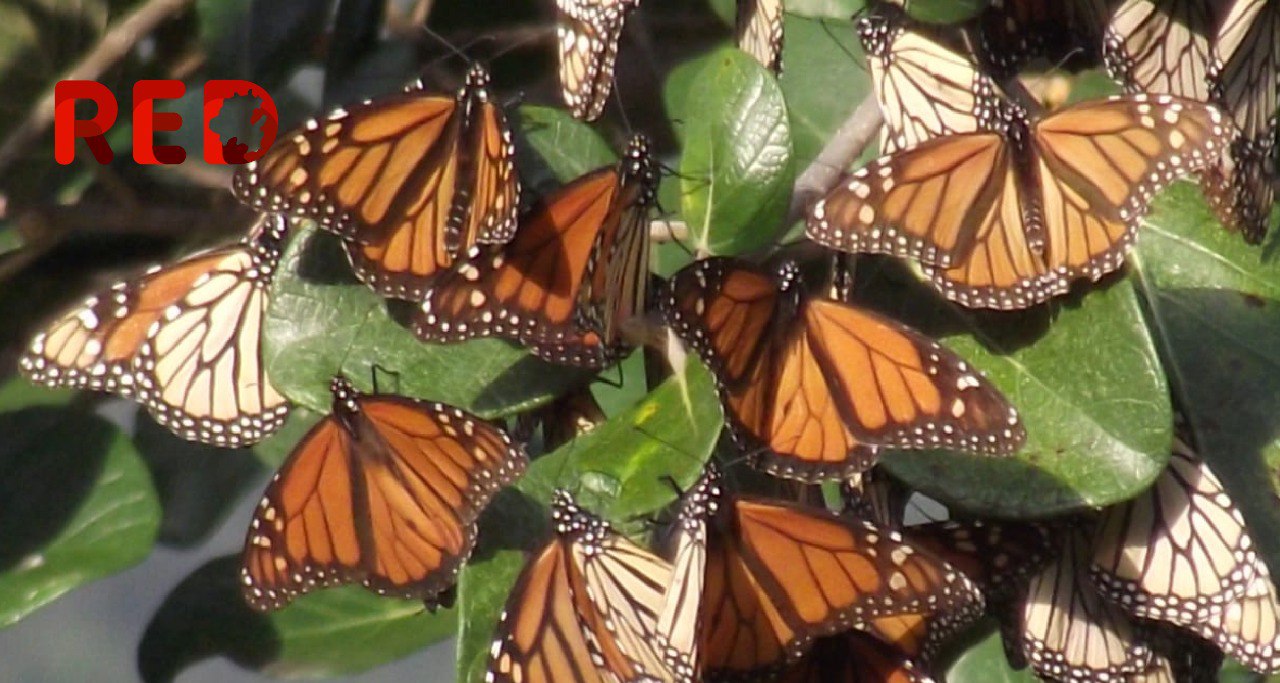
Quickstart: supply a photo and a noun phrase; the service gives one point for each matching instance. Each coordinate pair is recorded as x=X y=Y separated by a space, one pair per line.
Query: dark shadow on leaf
x=973 y=471
x=323 y=262
x=512 y=520
x=50 y=460
x=203 y=617
x=197 y=484
x=1224 y=367
x=516 y=379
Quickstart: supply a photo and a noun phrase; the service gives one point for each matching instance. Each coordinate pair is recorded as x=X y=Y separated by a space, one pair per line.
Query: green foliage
x=1187 y=329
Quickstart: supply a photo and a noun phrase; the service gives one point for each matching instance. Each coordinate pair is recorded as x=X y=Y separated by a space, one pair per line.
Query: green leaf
x=333 y=632
x=825 y=78
x=76 y=504
x=617 y=470
x=557 y=146
x=944 y=11
x=736 y=168
x=1085 y=377
x=985 y=662
x=825 y=9
x=321 y=322
x=1213 y=304
x=17 y=392
x=197 y=484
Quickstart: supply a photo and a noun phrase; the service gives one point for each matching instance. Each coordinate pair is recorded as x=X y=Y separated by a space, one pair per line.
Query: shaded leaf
x=736 y=168
x=825 y=80
x=197 y=484
x=76 y=504
x=553 y=146
x=1085 y=377
x=321 y=321
x=1213 y=304
x=616 y=470
x=985 y=662
x=338 y=631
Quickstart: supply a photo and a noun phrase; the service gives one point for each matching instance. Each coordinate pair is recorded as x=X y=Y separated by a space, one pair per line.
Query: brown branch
x=841 y=150
x=119 y=39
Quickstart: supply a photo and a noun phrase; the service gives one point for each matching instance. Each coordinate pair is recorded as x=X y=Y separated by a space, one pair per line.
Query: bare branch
x=119 y=39
x=847 y=144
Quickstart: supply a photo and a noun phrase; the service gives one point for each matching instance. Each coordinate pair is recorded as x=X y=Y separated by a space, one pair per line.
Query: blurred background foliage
x=87 y=491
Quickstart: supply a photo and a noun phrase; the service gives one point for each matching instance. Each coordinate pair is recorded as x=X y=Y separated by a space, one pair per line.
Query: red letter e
x=146 y=122
x=66 y=128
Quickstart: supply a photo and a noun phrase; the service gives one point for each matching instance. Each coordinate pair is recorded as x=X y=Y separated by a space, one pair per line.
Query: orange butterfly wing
x=814 y=385
x=410 y=180
x=384 y=491
x=576 y=267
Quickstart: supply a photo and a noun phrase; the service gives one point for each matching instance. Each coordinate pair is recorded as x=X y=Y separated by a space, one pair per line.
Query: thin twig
x=115 y=44
x=666 y=230
x=841 y=150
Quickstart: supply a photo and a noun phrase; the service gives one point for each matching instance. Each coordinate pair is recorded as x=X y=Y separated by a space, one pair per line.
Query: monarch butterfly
x=1243 y=77
x=384 y=491
x=813 y=387
x=184 y=340
x=1068 y=633
x=588 y=32
x=1008 y=221
x=854 y=657
x=999 y=557
x=1066 y=32
x=577 y=268
x=1177 y=552
x=759 y=31
x=924 y=87
x=1161 y=46
x=1180 y=553
x=583 y=609
x=409 y=180
x=741 y=601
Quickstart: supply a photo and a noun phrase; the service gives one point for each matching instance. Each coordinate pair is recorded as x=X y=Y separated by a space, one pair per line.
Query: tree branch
x=115 y=44
x=842 y=149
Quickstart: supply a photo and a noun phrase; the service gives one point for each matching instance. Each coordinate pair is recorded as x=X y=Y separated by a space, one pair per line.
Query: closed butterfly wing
x=1243 y=78
x=1248 y=629
x=1069 y=633
x=200 y=370
x=679 y=625
x=1178 y=552
x=1161 y=46
x=576 y=269
x=924 y=85
x=410 y=180
x=584 y=609
x=588 y=33
x=812 y=386
x=759 y=31
x=385 y=491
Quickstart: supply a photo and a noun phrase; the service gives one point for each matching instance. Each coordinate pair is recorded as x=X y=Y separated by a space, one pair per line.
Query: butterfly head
x=638 y=163
x=703 y=500
x=876 y=29
x=344 y=395
x=574 y=523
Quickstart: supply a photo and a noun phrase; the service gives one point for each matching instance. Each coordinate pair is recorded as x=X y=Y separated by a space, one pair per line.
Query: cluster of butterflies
x=1156 y=589
x=1002 y=206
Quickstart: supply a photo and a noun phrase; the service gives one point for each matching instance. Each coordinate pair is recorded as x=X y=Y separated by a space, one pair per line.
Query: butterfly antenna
x=449 y=45
x=673 y=235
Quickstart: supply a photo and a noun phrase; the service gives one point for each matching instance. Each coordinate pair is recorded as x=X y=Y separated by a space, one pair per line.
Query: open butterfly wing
x=385 y=491
x=493 y=196
x=758 y=29
x=93 y=346
x=1100 y=164
x=200 y=371
x=928 y=203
